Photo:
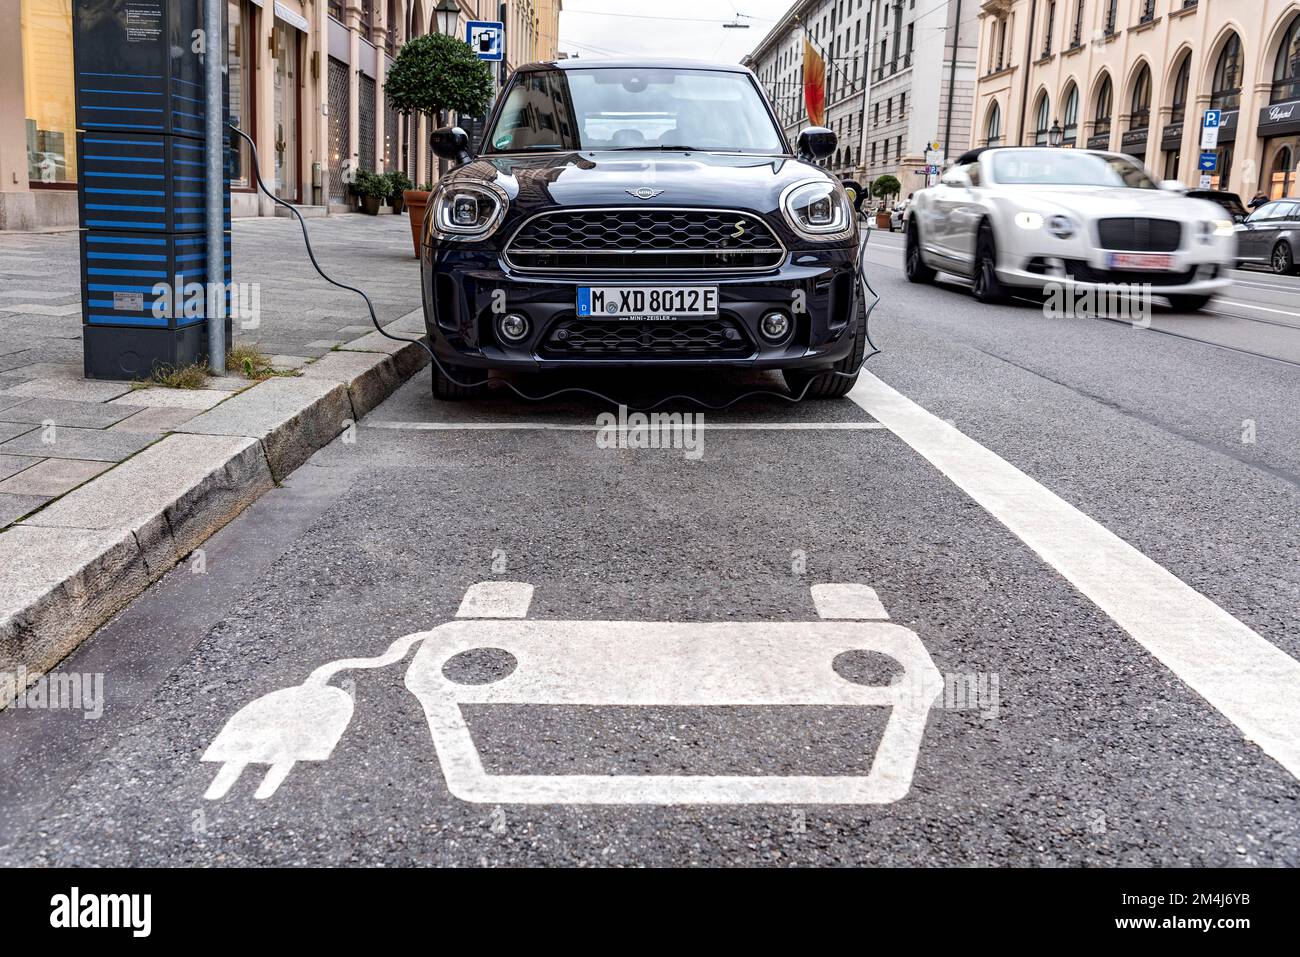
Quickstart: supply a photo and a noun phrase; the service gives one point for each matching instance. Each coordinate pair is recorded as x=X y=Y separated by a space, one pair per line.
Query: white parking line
x=594 y=427
x=1251 y=305
x=1250 y=681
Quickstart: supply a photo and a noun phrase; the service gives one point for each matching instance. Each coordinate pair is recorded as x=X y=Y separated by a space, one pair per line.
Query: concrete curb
x=68 y=568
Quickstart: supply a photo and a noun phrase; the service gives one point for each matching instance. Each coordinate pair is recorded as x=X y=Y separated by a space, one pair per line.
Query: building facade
x=1136 y=76
x=836 y=30
x=306 y=82
x=899 y=79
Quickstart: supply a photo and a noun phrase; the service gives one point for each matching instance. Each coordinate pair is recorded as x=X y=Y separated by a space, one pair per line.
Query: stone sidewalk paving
x=58 y=430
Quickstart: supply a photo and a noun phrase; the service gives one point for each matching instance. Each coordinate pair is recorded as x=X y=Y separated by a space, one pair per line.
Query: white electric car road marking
x=623 y=663
x=1250 y=681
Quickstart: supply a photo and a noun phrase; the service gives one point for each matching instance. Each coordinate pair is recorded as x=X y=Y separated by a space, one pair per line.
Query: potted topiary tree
x=431 y=75
x=372 y=189
x=398 y=183
x=884 y=187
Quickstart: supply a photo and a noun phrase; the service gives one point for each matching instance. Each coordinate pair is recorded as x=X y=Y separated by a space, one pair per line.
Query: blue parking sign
x=1209 y=162
x=1212 y=119
x=487 y=38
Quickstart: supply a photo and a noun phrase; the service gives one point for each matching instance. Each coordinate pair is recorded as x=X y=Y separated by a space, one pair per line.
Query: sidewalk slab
x=86 y=415
x=73 y=443
x=51 y=477
x=292 y=418
x=157 y=397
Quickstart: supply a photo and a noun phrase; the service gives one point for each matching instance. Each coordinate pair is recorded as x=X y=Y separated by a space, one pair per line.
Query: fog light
x=774 y=326
x=512 y=326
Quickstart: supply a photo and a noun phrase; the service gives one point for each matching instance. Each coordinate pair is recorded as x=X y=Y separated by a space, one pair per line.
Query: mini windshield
x=602 y=109
x=1061 y=167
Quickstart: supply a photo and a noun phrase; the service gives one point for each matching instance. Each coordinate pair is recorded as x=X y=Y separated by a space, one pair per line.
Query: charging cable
x=577 y=390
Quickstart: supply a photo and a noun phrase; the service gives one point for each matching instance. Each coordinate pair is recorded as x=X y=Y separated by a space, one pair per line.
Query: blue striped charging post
x=142 y=195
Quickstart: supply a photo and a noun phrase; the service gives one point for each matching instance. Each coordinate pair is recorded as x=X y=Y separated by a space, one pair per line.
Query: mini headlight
x=818 y=209
x=1062 y=227
x=468 y=211
x=1029 y=220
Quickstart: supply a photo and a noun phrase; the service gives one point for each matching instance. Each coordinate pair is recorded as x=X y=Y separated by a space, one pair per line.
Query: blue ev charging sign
x=487 y=39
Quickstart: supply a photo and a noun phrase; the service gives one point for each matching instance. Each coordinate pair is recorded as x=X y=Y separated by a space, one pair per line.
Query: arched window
x=1225 y=92
x=994 y=126
x=1042 y=120
x=1282 y=182
x=1105 y=104
x=1178 y=105
x=1140 y=104
x=1071 y=116
x=1286 y=71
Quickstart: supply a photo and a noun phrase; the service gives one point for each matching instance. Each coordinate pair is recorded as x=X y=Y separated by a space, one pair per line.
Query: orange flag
x=814 y=84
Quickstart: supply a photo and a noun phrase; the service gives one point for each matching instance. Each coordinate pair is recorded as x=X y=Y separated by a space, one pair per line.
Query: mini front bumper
x=465 y=290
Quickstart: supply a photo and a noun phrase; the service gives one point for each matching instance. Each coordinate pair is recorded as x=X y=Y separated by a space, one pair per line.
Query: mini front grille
x=664 y=339
x=641 y=239
x=1135 y=234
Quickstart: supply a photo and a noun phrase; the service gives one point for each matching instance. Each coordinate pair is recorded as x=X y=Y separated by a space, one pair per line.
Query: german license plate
x=647 y=302
x=1143 y=261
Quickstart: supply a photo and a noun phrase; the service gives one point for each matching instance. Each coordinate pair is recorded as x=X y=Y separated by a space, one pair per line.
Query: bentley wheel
x=914 y=266
x=986 y=287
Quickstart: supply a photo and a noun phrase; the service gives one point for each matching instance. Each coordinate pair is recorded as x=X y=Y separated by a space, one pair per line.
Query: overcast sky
x=676 y=28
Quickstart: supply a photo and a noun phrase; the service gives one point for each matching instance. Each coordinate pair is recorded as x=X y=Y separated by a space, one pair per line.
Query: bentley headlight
x=1224 y=227
x=468 y=211
x=1062 y=227
x=818 y=209
x=1029 y=220
x=1207 y=230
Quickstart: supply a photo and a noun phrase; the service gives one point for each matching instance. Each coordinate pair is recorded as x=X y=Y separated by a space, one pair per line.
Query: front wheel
x=1281 y=260
x=827 y=385
x=913 y=265
x=457 y=383
x=1188 y=303
x=987 y=288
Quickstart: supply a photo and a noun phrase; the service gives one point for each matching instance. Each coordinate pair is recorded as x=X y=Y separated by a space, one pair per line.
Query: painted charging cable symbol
x=614 y=663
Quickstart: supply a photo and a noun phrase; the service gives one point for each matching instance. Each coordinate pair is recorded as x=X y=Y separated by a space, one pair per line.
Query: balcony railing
x=1148 y=11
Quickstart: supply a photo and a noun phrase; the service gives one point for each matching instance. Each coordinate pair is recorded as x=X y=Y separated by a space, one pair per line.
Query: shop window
x=50 y=104
x=1282 y=181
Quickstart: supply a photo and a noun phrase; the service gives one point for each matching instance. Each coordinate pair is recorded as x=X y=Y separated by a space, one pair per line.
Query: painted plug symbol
x=302 y=723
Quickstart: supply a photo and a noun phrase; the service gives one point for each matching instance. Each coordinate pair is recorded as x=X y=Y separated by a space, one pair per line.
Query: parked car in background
x=1231 y=202
x=1270 y=236
x=1028 y=217
x=898 y=215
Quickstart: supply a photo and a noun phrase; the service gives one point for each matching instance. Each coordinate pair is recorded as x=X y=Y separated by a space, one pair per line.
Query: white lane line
x=1251 y=305
x=1250 y=681
x=593 y=427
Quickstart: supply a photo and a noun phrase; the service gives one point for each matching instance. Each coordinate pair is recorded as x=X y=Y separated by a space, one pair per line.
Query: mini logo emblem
x=740 y=229
x=644 y=192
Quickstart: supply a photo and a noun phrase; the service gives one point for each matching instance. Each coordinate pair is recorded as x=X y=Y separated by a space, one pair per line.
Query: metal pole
x=952 y=90
x=214 y=181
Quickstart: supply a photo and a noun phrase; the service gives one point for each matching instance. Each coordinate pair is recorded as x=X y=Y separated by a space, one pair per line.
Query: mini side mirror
x=816 y=142
x=451 y=143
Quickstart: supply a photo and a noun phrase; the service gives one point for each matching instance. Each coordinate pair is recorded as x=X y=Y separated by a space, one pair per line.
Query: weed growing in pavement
x=169 y=377
x=249 y=362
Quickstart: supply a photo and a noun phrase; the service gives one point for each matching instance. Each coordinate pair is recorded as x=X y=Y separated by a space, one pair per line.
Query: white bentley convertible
x=1029 y=217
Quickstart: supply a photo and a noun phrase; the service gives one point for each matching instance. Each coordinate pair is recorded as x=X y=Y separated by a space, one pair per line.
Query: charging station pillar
x=138 y=75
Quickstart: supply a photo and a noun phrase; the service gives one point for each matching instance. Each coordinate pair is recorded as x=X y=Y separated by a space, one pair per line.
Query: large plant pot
x=395 y=204
x=370 y=205
x=416 y=200
x=882 y=220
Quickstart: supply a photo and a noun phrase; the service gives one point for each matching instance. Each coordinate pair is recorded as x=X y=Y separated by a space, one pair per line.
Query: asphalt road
x=1097 y=554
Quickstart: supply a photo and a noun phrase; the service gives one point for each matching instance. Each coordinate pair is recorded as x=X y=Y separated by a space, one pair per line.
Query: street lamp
x=447 y=12
x=1056 y=135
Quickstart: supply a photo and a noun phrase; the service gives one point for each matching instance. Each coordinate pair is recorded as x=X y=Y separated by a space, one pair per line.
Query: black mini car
x=633 y=214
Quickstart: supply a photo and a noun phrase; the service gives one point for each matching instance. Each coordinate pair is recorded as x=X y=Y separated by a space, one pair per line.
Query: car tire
x=986 y=287
x=1188 y=303
x=913 y=264
x=447 y=390
x=827 y=385
x=1281 y=260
